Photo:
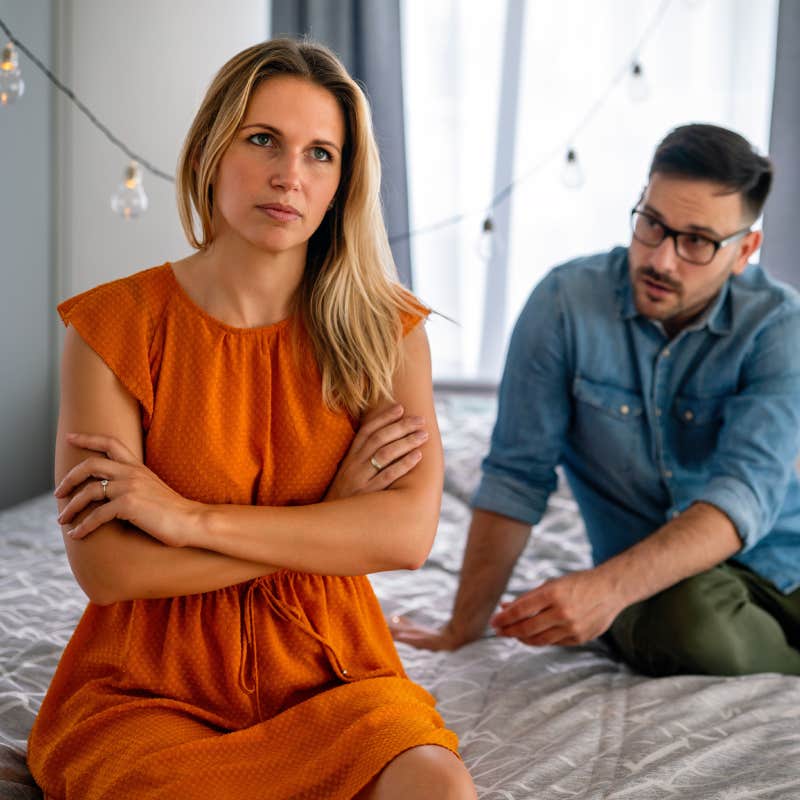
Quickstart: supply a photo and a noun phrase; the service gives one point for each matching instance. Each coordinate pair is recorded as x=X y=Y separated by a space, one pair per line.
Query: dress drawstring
x=248 y=665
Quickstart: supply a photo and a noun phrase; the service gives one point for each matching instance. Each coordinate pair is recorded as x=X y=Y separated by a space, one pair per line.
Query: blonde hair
x=349 y=299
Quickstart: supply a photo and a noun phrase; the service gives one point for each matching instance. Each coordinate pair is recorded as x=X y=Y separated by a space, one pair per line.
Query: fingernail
x=420 y=436
x=417 y=420
x=71 y=435
x=71 y=533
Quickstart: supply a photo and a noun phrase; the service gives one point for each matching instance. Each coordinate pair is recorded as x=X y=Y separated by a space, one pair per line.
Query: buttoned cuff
x=510 y=498
x=738 y=501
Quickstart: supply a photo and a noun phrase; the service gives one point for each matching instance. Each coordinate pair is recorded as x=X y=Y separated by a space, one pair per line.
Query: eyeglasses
x=692 y=247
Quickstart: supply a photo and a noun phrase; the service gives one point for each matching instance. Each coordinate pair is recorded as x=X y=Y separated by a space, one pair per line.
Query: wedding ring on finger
x=104 y=484
x=375 y=463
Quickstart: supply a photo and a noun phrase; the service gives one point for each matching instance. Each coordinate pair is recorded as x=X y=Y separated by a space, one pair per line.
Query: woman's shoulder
x=144 y=293
x=411 y=309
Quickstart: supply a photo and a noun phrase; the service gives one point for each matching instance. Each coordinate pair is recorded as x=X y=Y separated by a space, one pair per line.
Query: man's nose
x=665 y=256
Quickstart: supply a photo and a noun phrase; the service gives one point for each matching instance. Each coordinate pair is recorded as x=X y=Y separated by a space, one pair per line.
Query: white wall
x=142 y=68
x=26 y=266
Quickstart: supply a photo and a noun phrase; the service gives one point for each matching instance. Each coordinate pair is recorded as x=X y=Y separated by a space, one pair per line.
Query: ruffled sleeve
x=411 y=318
x=118 y=320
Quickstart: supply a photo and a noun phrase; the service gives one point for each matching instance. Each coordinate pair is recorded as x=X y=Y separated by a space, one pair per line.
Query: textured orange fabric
x=285 y=686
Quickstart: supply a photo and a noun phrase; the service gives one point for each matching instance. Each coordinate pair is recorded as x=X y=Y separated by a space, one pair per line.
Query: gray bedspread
x=535 y=723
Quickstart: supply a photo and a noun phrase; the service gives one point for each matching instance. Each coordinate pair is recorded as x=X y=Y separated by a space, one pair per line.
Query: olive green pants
x=727 y=621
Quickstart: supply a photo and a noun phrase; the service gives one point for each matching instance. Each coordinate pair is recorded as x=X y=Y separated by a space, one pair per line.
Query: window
x=702 y=60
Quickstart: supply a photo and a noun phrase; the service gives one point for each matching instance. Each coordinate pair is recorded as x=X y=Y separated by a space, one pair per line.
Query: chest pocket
x=697 y=423
x=607 y=425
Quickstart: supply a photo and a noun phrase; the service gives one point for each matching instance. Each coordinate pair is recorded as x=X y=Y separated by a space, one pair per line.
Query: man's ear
x=748 y=246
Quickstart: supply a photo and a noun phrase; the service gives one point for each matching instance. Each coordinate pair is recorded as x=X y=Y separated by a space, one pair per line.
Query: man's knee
x=696 y=626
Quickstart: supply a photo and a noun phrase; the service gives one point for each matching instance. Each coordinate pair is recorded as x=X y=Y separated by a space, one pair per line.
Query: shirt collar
x=717 y=317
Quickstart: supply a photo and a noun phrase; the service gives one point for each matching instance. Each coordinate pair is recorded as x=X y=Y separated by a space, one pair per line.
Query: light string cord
x=506 y=191
x=498 y=198
x=92 y=118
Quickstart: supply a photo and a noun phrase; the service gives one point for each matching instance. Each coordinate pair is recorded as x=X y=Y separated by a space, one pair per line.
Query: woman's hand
x=125 y=489
x=385 y=448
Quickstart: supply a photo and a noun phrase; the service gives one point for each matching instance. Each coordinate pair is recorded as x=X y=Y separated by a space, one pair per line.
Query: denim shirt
x=644 y=426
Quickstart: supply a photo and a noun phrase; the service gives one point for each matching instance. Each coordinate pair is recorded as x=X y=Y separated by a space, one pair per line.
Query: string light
x=140 y=204
x=129 y=200
x=572 y=172
x=638 y=90
x=11 y=84
x=488 y=245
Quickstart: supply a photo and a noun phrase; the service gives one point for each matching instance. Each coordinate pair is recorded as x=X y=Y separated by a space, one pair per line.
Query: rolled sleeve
x=533 y=412
x=739 y=503
x=760 y=436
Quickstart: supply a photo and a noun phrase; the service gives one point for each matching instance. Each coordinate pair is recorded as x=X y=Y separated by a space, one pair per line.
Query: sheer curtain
x=701 y=60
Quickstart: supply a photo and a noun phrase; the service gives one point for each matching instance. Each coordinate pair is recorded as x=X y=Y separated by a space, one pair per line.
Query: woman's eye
x=261 y=139
x=320 y=154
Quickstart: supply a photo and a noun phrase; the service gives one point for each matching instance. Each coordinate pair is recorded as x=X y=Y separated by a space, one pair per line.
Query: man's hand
x=568 y=610
x=423 y=637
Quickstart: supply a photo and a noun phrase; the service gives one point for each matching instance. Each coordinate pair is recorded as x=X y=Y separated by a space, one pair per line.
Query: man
x=665 y=378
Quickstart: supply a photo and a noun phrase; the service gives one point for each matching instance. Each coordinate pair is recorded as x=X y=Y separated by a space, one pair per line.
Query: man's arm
x=582 y=605
x=494 y=544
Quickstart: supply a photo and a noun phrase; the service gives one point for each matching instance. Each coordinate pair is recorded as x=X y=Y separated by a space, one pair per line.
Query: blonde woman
x=243 y=435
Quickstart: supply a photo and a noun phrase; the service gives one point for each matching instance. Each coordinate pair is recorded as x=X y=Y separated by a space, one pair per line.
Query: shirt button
x=623 y=409
x=688 y=414
x=658 y=412
x=674 y=513
x=665 y=352
x=667 y=473
x=344 y=672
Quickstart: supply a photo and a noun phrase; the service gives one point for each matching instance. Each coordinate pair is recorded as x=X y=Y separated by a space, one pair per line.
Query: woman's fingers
x=92 y=492
x=388 y=475
x=92 y=467
x=93 y=520
x=389 y=453
x=112 y=447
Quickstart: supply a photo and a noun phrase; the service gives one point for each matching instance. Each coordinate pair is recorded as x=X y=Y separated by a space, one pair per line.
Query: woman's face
x=277 y=178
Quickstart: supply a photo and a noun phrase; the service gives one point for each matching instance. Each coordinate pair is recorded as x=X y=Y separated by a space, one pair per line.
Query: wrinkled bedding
x=544 y=723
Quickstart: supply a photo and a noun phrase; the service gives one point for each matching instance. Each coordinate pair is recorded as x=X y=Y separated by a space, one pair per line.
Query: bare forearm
x=120 y=563
x=493 y=547
x=699 y=539
x=391 y=529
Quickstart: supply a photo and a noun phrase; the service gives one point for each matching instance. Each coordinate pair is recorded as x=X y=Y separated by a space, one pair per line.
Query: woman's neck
x=241 y=286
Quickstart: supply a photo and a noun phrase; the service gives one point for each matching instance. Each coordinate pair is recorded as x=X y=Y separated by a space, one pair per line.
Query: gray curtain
x=779 y=253
x=365 y=34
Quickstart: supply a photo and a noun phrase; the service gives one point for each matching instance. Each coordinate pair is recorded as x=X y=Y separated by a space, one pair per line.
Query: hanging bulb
x=486 y=239
x=572 y=173
x=130 y=201
x=638 y=89
x=11 y=84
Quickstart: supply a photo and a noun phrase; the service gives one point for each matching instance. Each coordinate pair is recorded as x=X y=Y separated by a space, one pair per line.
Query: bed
x=549 y=723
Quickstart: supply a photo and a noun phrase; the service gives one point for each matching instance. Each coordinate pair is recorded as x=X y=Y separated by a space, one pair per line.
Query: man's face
x=668 y=288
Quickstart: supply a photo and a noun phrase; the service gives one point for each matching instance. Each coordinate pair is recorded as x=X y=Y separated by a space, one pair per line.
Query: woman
x=233 y=648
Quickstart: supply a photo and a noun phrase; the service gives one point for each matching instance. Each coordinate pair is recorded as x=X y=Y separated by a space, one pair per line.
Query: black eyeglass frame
x=674 y=234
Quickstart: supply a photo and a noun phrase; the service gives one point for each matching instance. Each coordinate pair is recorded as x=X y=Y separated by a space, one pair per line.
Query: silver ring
x=104 y=483
x=375 y=464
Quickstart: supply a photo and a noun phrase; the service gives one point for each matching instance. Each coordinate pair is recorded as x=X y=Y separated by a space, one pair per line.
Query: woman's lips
x=281 y=213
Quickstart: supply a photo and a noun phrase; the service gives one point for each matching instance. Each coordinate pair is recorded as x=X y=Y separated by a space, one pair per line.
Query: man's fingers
x=522 y=608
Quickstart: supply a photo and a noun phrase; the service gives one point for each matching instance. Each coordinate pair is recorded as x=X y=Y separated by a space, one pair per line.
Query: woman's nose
x=287 y=172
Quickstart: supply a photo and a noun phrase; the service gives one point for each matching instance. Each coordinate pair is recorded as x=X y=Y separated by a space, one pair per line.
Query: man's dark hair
x=708 y=152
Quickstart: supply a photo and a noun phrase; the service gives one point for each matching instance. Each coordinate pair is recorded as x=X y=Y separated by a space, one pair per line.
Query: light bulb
x=572 y=172
x=489 y=244
x=129 y=200
x=638 y=89
x=11 y=84
x=485 y=245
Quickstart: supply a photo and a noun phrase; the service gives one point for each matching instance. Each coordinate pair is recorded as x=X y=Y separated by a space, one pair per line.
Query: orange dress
x=285 y=686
